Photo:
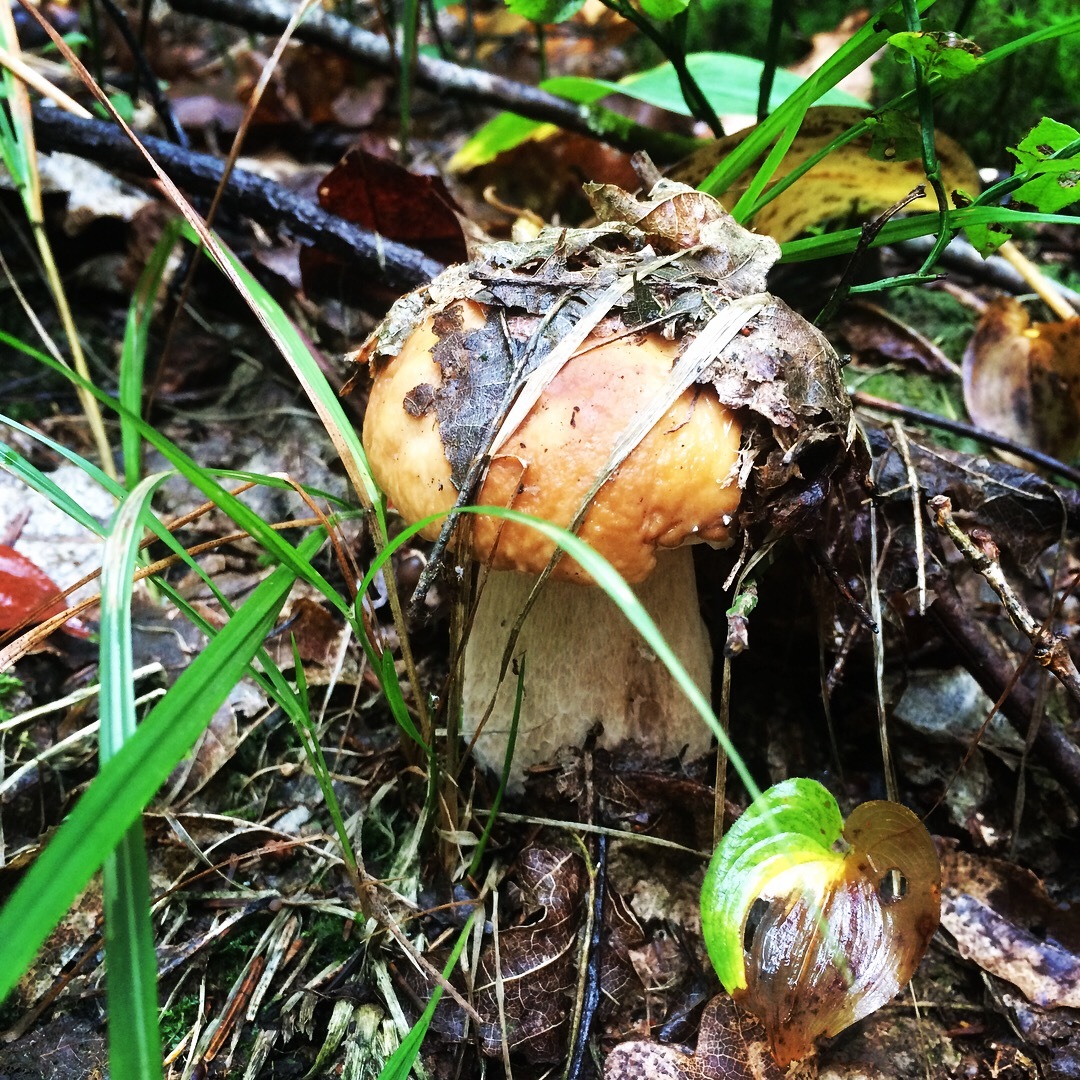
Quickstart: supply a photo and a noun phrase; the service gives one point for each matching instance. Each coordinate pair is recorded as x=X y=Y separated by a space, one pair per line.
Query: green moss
x=9 y=687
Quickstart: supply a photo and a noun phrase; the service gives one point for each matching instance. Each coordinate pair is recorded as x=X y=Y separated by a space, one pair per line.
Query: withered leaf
x=401 y=205
x=537 y=967
x=870 y=329
x=1022 y=379
x=846 y=182
x=1003 y=920
x=731 y=1046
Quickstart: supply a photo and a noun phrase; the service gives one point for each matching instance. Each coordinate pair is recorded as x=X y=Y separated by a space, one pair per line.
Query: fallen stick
x=443 y=77
x=394 y=264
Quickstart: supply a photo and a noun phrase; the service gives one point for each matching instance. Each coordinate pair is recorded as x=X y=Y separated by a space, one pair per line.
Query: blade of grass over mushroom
x=612 y=583
x=400 y=1063
x=131 y=980
x=127 y=782
x=133 y=350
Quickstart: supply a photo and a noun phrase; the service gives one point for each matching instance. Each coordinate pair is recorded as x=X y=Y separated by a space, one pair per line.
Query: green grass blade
x=862 y=45
x=133 y=350
x=128 y=781
x=400 y=1062
x=131 y=962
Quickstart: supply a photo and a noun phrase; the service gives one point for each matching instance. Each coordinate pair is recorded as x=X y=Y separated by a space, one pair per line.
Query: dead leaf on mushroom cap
x=1022 y=379
x=540 y=296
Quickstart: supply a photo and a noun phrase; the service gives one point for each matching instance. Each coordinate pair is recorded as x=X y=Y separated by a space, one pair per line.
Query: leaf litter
x=1026 y=515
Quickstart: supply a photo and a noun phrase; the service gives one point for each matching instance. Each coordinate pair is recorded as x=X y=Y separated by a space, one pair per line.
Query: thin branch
x=396 y=265
x=1050 y=650
x=993 y=672
x=440 y=76
x=958 y=427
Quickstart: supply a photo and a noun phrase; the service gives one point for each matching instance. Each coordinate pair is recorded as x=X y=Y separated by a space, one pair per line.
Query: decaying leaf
x=534 y=969
x=731 y=1046
x=870 y=329
x=386 y=198
x=1022 y=379
x=1003 y=920
x=812 y=923
x=848 y=182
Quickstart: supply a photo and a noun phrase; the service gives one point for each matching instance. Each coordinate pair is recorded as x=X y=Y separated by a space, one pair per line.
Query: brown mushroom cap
x=678 y=484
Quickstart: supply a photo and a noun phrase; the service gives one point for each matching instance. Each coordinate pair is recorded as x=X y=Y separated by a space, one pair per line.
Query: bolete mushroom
x=510 y=380
x=586 y=665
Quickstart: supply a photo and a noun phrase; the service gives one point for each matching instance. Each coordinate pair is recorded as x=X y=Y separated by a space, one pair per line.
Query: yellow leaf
x=846 y=184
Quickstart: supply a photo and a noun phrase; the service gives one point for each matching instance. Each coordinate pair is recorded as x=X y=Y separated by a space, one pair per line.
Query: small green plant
x=10 y=686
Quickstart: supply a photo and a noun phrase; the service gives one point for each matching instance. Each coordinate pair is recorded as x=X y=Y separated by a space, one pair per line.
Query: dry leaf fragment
x=731 y=1046
x=1004 y=921
x=1022 y=379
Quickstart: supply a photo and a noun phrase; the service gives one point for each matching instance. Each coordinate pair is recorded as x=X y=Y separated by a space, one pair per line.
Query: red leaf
x=28 y=593
x=382 y=196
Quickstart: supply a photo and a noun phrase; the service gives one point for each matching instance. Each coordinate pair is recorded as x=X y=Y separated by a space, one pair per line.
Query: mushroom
x=585 y=664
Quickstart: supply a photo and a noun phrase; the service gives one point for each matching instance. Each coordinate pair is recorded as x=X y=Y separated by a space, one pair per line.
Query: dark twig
x=958 y=427
x=595 y=964
x=993 y=673
x=158 y=98
x=449 y=80
x=1050 y=650
x=394 y=264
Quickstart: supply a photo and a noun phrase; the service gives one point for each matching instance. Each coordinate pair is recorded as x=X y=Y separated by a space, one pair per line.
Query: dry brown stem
x=1049 y=649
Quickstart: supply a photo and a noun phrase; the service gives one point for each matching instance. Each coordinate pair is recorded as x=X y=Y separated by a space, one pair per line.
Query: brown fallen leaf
x=869 y=329
x=731 y=1046
x=1003 y=920
x=1022 y=379
x=847 y=183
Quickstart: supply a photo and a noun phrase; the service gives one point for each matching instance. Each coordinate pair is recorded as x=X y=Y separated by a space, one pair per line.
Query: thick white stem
x=586 y=664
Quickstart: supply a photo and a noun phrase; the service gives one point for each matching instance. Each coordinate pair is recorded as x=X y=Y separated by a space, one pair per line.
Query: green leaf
x=1056 y=183
x=730 y=83
x=986 y=239
x=791 y=823
x=813 y=923
x=664 y=10
x=545 y=11
x=894 y=136
x=944 y=54
x=1046 y=138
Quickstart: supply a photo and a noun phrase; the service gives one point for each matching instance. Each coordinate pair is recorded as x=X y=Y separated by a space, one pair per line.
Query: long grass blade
x=128 y=781
x=131 y=963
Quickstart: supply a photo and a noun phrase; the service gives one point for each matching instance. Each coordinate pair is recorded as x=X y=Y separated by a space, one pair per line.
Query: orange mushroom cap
x=677 y=485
